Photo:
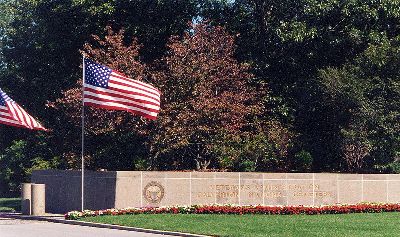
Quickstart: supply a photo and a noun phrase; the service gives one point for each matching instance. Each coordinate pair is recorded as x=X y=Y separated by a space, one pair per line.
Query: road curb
x=61 y=220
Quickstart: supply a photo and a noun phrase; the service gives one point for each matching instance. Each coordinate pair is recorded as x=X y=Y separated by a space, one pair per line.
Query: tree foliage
x=261 y=85
x=102 y=126
x=206 y=92
x=367 y=91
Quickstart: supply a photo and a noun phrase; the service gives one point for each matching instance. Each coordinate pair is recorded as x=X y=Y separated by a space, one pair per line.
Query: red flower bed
x=241 y=210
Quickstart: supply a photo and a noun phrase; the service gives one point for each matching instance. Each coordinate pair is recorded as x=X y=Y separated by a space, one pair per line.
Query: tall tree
x=40 y=45
x=290 y=41
x=105 y=130
x=367 y=91
x=206 y=93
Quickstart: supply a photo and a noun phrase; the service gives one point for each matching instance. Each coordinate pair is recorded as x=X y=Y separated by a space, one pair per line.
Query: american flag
x=109 y=89
x=12 y=114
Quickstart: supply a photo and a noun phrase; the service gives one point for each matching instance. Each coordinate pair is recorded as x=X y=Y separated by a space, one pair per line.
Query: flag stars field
x=96 y=74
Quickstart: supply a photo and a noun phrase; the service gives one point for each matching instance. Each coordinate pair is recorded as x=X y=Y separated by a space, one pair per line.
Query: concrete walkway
x=30 y=228
x=49 y=225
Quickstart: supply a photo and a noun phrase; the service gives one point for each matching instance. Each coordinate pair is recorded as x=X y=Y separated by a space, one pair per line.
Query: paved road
x=23 y=228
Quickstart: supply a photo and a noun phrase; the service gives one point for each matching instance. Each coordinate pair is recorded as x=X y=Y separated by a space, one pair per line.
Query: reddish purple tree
x=206 y=93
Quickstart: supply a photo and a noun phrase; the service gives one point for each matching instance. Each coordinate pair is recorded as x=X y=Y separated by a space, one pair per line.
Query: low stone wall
x=121 y=189
x=63 y=189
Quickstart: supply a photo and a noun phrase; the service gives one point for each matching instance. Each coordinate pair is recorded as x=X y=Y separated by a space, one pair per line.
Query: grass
x=366 y=224
x=10 y=204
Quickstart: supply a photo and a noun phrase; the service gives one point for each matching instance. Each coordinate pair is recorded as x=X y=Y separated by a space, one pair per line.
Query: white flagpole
x=83 y=137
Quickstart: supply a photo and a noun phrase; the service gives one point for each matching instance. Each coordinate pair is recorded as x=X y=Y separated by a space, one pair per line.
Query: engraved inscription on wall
x=254 y=191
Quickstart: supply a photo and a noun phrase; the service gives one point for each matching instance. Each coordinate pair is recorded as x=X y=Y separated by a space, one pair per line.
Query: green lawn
x=368 y=224
x=10 y=204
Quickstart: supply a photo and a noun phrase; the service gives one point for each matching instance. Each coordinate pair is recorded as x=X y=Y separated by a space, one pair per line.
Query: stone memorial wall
x=121 y=189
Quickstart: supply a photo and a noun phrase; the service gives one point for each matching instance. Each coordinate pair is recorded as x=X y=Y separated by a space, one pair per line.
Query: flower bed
x=241 y=210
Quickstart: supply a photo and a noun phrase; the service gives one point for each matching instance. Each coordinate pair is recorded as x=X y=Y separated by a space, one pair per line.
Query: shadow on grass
x=10 y=204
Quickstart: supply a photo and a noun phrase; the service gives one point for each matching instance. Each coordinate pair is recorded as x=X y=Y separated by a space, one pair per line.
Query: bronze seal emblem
x=153 y=192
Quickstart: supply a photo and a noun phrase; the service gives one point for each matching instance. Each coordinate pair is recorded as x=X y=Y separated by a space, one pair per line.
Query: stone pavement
x=17 y=225
x=29 y=228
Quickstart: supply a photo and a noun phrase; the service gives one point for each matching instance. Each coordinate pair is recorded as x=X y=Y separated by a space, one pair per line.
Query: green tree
x=41 y=52
x=40 y=42
x=368 y=92
x=18 y=161
x=288 y=42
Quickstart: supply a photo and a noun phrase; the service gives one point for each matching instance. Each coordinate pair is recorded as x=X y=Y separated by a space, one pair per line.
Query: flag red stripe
x=119 y=108
x=112 y=81
x=101 y=99
x=18 y=113
x=9 y=120
x=11 y=124
x=123 y=77
x=14 y=115
x=106 y=93
x=119 y=91
x=23 y=117
x=7 y=117
x=114 y=104
x=132 y=89
x=30 y=120
x=4 y=112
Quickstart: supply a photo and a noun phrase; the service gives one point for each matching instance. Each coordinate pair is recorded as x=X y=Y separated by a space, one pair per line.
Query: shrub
x=303 y=160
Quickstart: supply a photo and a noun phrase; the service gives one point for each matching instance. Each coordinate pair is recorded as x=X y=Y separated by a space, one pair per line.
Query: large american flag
x=109 y=89
x=12 y=114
